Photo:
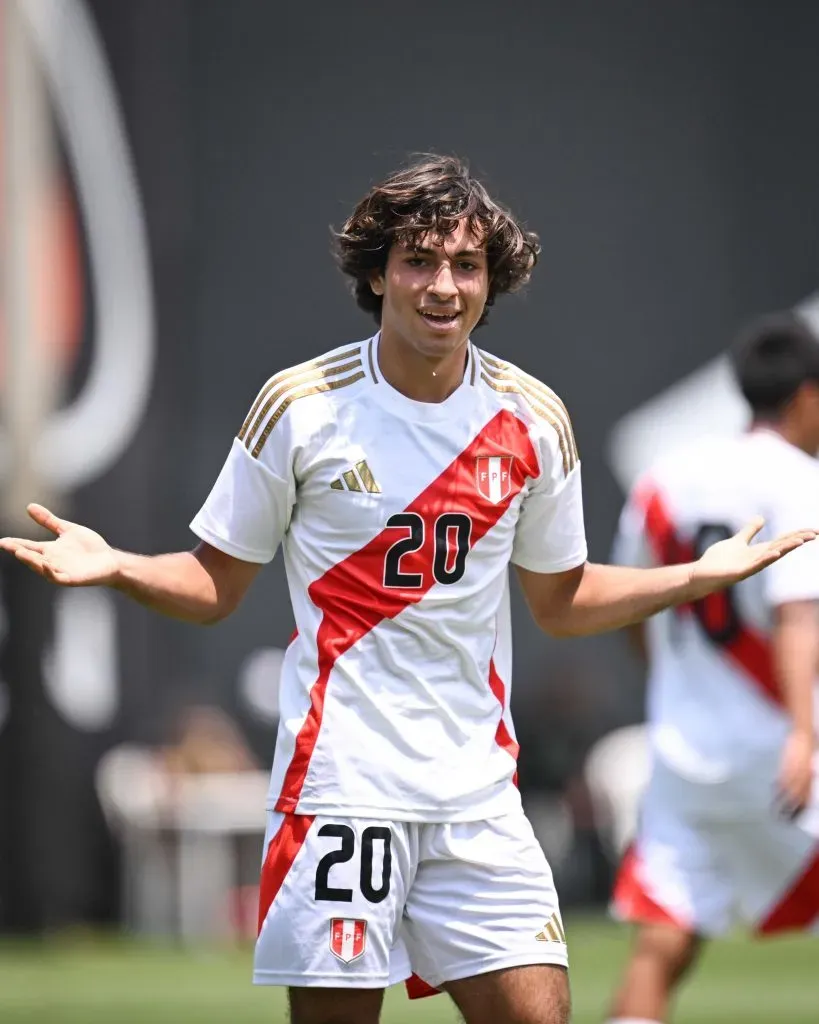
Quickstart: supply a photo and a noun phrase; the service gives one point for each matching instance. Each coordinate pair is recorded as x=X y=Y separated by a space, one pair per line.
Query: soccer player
x=729 y=830
x=402 y=475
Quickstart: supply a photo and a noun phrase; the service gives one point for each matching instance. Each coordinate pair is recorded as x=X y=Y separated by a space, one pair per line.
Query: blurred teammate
x=402 y=475
x=728 y=828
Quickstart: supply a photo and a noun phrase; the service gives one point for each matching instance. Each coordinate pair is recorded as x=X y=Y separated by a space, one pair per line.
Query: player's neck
x=787 y=430
x=417 y=376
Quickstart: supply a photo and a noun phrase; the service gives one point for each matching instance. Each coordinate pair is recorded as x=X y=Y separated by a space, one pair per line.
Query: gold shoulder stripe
x=532 y=386
x=507 y=368
x=291 y=382
x=541 y=406
x=299 y=369
x=552 y=397
x=514 y=387
x=311 y=389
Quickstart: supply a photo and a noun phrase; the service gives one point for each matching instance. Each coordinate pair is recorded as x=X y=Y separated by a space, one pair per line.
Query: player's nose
x=442 y=284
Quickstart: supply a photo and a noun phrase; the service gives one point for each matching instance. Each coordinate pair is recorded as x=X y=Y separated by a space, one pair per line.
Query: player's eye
x=415 y=261
x=467 y=265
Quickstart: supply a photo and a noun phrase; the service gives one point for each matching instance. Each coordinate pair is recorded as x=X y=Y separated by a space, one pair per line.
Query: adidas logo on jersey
x=358 y=479
x=552 y=931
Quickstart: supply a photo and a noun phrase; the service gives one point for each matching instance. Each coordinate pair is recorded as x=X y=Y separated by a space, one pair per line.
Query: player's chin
x=435 y=342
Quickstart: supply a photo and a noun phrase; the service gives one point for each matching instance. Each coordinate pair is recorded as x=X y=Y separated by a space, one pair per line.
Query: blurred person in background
x=206 y=740
x=402 y=475
x=729 y=823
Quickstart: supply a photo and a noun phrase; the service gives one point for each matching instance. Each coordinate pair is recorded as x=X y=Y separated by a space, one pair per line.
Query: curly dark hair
x=432 y=195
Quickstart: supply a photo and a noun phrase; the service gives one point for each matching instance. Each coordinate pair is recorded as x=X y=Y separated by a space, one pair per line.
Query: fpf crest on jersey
x=494 y=476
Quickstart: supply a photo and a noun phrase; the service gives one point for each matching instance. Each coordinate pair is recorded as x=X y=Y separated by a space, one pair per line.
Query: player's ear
x=377 y=282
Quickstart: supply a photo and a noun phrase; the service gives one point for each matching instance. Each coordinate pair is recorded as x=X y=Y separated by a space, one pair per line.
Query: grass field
x=82 y=980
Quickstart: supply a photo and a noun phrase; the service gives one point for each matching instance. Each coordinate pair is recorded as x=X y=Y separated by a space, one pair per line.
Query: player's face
x=810 y=407
x=435 y=293
x=801 y=420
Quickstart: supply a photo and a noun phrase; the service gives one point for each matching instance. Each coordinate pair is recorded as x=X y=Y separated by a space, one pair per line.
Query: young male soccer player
x=402 y=475
x=729 y=829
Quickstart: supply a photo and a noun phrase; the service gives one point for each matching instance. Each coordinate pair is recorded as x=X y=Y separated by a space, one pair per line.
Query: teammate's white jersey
x=714 y=706
x=398 y=520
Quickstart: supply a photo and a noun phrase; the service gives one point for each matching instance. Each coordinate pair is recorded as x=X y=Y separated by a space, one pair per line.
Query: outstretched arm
x=596 y=598
x=200 y=586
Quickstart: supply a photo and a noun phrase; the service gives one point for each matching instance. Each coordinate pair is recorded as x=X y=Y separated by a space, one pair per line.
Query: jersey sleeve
x=248 y=509
x=796 y=576
x=550 y=534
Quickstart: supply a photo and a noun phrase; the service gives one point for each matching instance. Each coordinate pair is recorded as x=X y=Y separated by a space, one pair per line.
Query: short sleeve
x=550 y=534
x=248 y=509
x=796 y=576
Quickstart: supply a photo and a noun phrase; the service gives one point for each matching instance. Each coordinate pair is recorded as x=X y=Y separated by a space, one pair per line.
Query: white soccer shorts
x=709 y=857
x=363 y=903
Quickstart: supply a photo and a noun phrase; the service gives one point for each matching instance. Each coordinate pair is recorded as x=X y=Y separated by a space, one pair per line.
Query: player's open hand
x=78 y=557
x=732 y=560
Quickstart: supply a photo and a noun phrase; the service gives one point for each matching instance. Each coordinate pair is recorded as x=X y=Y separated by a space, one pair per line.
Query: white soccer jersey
x=398 y=520
x=714 y=707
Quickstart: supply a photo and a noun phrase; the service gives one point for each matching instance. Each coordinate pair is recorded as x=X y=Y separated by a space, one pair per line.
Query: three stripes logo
x=358 y=479
x=552 y=931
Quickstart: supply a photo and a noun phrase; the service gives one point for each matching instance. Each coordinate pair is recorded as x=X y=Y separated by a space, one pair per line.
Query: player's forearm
x=177 y=585
x=796 y=660
x=613 y=596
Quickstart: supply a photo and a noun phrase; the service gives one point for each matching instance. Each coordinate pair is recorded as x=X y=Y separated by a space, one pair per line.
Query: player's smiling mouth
x=438 y=320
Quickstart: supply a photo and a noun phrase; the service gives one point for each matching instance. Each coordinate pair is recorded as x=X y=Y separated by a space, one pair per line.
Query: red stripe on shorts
x=281 y=852
x=417 y=988
x=631 y=900
x=502 y=736
x=748 y=649
x=352 y=595
x=799 y=907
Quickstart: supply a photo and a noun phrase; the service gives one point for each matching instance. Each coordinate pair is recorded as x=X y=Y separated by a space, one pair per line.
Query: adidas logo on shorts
x=552 y=931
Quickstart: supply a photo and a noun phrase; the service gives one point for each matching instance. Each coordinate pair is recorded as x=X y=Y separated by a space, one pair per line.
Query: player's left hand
x=732 y=560
x=796 y=773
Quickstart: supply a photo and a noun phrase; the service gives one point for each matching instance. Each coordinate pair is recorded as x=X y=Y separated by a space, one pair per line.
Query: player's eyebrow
x=425 y=250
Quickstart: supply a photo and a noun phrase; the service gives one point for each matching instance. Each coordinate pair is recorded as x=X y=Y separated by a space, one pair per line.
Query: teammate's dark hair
x=772 y=359
x=432 y=195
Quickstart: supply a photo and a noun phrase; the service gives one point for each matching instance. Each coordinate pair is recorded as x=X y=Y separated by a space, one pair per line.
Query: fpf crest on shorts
x=348 y=938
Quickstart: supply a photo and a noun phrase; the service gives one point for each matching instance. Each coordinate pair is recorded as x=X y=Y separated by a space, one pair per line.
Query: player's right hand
x=78 y=557
x=796 y=773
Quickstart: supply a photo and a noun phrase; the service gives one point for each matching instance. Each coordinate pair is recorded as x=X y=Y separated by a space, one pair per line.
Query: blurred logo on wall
x=89 y=282
x=77 y=338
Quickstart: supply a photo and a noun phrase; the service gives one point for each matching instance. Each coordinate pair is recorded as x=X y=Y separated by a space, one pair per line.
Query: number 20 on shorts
x=371 y=835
